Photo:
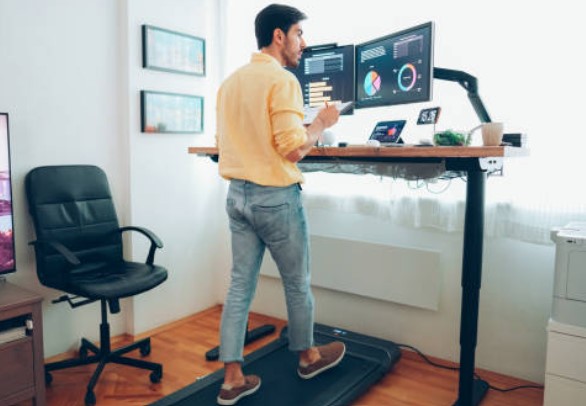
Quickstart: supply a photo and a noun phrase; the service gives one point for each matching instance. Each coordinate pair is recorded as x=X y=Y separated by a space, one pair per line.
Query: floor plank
x=182 y=347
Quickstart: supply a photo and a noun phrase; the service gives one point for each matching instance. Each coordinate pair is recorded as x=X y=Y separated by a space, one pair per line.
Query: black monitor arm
x=468 y=82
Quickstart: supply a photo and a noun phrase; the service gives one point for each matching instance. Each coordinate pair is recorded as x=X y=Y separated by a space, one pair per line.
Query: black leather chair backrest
x=72 y=205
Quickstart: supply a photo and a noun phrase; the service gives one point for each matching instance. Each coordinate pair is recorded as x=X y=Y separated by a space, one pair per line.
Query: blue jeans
x=274 y=218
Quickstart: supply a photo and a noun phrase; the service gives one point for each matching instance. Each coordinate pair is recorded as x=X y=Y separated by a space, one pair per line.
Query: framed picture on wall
x=172 y=51
x=177 y=113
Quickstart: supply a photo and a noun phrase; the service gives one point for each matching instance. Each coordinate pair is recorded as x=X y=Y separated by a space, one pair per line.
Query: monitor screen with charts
x=326 y=74
x=395 y=69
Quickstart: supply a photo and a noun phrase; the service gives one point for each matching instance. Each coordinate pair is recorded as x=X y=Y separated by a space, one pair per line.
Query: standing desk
x=472 y=162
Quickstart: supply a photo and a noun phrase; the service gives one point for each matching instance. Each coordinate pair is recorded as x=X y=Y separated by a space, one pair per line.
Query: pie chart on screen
x=372 y=83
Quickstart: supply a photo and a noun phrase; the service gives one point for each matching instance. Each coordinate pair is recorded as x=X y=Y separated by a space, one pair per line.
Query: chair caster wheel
x=156 y=376
x=145 y=349
x=48 y=378
x=90 y=398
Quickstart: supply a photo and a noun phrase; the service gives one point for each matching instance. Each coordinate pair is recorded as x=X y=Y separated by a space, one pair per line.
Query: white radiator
x=409 y=276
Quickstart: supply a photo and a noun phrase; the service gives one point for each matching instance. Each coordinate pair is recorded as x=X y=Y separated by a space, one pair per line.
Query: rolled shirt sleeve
x=286 y=113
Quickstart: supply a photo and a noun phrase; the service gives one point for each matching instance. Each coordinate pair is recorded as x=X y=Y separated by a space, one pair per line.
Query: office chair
x=79 y=251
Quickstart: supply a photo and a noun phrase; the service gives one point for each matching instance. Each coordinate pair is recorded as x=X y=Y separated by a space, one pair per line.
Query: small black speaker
x=515 y=139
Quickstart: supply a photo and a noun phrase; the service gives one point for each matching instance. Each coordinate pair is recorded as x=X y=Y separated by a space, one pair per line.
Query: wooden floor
x=181 y=348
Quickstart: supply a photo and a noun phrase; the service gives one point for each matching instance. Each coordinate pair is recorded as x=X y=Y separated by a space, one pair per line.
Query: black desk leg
x=470 y=390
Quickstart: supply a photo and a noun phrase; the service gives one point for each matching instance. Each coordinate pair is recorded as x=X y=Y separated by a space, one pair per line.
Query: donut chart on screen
x=372 y=83
x=407 y=77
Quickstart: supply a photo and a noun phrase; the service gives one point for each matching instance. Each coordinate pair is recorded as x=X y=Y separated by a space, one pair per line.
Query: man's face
x=294 y=45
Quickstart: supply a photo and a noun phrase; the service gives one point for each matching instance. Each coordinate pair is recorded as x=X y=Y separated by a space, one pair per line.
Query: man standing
x=261 y=137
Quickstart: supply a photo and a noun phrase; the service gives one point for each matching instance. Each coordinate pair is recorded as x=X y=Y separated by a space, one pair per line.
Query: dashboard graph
x=372 y=83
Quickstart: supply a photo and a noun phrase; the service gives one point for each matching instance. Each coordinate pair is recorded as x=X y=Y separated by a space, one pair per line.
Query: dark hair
x=272 y=17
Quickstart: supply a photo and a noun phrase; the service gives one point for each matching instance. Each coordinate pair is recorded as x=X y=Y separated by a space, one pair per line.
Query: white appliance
x=565 y=370
x=569 y=296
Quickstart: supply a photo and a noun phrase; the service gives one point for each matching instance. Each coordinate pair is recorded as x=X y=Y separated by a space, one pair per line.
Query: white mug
x=492 y=134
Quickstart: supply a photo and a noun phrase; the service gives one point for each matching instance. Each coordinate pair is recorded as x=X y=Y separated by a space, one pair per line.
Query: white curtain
x=510 y=211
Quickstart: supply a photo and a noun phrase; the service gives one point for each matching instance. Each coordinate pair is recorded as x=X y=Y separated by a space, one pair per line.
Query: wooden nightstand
x=22 y=375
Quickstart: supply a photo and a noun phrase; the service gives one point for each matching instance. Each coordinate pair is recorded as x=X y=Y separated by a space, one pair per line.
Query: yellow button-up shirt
x=259 y=122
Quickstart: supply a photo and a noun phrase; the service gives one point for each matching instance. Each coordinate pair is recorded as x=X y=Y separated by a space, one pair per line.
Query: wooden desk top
x=12 y=296
x=398 y=152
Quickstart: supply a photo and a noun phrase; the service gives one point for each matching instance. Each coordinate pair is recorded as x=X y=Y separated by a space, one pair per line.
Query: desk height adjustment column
x=470 y=390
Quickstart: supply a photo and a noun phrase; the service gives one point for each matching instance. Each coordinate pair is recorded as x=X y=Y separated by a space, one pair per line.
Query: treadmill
x=366 y=361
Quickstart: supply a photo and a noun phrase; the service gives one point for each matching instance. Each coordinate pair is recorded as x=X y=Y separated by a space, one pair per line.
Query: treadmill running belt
x=366 y=361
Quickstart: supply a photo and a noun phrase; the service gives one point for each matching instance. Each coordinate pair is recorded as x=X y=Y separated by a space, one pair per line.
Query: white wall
x=173 y=192
x=59 y=81
x=70 y=75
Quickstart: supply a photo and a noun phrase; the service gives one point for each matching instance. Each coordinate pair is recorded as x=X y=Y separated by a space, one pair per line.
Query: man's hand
x=328 y=116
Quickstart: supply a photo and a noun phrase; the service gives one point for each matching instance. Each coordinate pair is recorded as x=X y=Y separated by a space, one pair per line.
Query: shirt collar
x=261 y=57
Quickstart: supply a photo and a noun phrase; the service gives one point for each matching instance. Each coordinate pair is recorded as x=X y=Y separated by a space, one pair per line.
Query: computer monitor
x=7 y=262
x=395 y=69
x=326 y=74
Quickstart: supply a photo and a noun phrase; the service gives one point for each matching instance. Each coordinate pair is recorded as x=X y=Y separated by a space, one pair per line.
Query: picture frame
x=172 y=51
x=163 y=112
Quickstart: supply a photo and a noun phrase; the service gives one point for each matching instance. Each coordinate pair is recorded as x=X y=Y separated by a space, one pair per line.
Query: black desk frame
x=470 y=390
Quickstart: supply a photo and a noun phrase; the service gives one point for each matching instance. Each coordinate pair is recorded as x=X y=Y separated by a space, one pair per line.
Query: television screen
x=326 y=74
x=395 y=69
x=7 y=262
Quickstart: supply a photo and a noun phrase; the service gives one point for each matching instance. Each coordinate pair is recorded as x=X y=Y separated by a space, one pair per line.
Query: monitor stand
x=468 y=82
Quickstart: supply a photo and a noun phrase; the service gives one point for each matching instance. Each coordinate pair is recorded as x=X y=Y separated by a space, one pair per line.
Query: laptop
x=388 y=133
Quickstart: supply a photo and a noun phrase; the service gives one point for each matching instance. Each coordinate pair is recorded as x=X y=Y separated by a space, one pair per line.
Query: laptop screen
x=388 y=131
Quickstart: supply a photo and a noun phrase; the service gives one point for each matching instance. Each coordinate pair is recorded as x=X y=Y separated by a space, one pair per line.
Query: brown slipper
x=331 y=355
x=229 y=395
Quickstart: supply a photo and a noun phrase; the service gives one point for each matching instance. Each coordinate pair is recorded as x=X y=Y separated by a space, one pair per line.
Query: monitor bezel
x=13 y=269
x=429 y=96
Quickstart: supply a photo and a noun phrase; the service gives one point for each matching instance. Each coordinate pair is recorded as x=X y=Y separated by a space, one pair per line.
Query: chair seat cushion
x=112 y=281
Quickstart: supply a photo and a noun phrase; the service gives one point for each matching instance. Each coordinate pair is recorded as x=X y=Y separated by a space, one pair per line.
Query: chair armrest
x=60 y=248
x=155 y=241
